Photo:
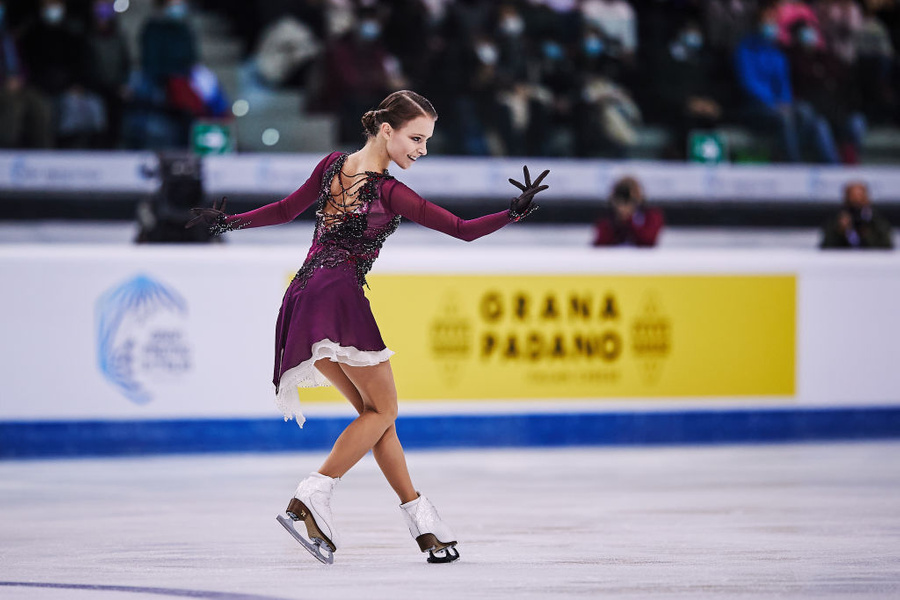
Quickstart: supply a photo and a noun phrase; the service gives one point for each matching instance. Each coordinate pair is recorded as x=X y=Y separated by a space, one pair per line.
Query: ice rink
x=766 y=521
x=801 y=520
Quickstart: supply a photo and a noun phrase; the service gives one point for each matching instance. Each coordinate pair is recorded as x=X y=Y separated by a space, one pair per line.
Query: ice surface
x=785 y=521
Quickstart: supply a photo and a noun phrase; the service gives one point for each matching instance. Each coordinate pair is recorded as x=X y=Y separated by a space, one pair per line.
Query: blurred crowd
x=68 y=78
x=581 y=77
x=573 y=78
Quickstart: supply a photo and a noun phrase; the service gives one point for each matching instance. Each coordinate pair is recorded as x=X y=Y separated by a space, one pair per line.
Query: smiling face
x=408 y=143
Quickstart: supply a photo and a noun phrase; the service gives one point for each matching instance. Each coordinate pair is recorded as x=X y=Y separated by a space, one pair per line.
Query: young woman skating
x=326 y=332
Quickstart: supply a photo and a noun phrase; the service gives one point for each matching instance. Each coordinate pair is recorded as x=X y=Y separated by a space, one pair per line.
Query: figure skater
x=326 y=333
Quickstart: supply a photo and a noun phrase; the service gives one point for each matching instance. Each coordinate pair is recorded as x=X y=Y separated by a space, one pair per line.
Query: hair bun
x=370 y=122
x=397 y=109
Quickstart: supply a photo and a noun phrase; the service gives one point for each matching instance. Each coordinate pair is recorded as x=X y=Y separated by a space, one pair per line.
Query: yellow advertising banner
x=586 y=336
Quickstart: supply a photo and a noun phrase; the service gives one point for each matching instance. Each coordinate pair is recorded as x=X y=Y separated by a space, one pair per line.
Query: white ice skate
x=429 y=531
x=312 y=505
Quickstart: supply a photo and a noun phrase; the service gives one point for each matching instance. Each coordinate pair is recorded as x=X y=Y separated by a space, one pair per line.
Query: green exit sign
x=209 y=137
x=707 y=147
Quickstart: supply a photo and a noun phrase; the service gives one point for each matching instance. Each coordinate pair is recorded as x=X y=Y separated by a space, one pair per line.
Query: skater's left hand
x=210 y=216
x=524 y=205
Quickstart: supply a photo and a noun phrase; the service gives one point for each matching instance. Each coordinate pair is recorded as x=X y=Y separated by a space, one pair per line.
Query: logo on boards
x=142 y=341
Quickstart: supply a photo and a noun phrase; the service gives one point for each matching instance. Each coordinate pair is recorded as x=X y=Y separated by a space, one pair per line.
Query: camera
x=623 y=194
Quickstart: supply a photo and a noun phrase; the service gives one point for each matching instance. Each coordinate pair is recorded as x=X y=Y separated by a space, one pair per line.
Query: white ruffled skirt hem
x=306 y=375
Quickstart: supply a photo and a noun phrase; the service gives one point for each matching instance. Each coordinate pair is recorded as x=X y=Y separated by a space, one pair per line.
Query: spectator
x=25 y=114
x=874 y=66
x=629 y=221
x=358 y=72
x=840 y=20
x=512 y=41
x=726 y=22
x=168 y=44
x=287 y=49
x=827 y=84
x=790 y=12
x=498 y=121
x=523 y=109
x=617 y=20
x=657 y=22
x=686 y=94
x=448 y=80
x=173 y=88
x=857 y=224
x=312 y=13
x=406 y=34
x=560 y=85
x=605 y=114
x=888 y=12
x=109 y=67
x=764 y=79
x=55 y=52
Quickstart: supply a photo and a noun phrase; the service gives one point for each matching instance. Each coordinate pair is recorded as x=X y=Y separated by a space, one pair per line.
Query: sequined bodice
x=353 y=230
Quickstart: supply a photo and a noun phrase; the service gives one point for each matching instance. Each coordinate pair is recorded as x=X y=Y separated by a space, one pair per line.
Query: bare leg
x=387 y=450
x=390 y=458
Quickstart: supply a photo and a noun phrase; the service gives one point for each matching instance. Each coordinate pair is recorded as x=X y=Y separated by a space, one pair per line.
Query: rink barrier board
x=120 y=175
x=203 y=365
x=74 y=439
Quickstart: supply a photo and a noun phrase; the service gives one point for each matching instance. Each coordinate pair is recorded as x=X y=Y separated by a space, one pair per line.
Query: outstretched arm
x=401 y=200
x=286 y=209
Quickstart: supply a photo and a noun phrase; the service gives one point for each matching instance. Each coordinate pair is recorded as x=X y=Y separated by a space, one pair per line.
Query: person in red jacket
x=629 y=221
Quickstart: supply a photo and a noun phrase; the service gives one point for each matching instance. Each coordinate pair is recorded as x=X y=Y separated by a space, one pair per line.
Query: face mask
x=692 y=40
x=369 y=30
x=54 y=13
x=177 y=11
x=593 y=46
x=553 y=51
x=512 y=26
x=769 y=31
x=809 y=37
x=487 y=54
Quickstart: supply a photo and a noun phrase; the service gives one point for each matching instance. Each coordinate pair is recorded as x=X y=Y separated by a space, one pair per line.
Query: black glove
x=524 y=205
x=214 y=218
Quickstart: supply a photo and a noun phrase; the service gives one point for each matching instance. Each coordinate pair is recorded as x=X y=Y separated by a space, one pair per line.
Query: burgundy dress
x=325 y=313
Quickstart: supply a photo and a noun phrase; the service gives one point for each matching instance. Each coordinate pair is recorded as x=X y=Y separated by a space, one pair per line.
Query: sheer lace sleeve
x=401 y=200
x=286 y=209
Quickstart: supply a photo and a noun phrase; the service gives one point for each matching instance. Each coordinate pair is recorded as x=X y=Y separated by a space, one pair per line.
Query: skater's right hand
x=210 y=216
x=523 y=204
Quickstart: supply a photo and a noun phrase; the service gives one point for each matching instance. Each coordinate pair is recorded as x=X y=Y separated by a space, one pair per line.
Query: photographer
x=857 y=225
x=629 y=222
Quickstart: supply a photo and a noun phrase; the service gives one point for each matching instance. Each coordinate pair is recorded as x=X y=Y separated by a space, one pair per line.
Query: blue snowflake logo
x=141 y=337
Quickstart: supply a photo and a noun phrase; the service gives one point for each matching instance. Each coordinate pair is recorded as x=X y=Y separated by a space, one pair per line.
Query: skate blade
x=315 y=547
x=438 y=551
x=297 y=511
x=444 y=555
